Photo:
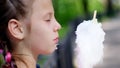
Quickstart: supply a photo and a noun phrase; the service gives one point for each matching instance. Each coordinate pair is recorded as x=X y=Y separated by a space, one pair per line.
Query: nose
x=57 y=26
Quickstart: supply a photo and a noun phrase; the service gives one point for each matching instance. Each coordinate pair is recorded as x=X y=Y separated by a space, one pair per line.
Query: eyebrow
x=48 y=14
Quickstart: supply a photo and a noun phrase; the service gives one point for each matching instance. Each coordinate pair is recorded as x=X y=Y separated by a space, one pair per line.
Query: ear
x=15 y=28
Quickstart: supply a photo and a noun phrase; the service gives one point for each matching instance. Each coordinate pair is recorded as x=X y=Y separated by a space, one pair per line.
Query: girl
x=27 y=28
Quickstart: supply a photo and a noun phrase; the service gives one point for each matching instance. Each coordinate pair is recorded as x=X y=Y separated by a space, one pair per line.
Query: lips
x=56 y=40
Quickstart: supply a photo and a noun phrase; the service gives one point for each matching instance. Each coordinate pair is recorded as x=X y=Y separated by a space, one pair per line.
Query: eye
x=48 y=20
x=48 y=17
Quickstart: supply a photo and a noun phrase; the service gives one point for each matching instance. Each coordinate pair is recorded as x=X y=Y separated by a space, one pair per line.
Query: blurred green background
x=67 y=10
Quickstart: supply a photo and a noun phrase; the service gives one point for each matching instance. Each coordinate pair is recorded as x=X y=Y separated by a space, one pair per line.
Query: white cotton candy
x=89 y=40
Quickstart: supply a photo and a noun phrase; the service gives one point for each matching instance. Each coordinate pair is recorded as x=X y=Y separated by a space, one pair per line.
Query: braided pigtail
x=9 y=61
x=9 y=9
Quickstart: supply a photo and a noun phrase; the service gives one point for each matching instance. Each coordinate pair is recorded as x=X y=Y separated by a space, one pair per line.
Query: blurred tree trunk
x=86 y=10
x=110 y=10
x=85 y=5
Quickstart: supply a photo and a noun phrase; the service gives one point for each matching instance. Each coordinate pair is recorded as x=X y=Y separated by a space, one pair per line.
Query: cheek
x=41 y=33
x=41 y=39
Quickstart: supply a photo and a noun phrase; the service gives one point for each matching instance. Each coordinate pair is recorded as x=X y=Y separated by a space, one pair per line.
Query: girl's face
x=42 y=35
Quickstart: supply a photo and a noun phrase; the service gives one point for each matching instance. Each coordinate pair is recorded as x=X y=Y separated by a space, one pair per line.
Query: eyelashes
x=48 y=20
x=48 y=17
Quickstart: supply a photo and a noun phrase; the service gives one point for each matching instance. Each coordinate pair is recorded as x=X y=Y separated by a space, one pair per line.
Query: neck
x=24 y=58
x=24 y=61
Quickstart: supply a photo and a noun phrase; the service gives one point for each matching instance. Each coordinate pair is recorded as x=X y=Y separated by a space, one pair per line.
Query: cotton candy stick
x=94 y=16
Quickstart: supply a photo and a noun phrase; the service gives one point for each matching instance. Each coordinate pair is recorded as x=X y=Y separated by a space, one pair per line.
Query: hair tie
x=8 y=57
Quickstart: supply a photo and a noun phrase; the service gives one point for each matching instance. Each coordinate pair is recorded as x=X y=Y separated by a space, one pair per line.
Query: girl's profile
x=27 y=28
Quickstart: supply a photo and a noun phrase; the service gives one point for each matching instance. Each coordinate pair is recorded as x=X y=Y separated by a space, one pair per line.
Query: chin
x=50 y=52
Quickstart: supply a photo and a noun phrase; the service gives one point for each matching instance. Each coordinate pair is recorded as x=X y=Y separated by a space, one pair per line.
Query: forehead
x=41 y=9
x=42 y=5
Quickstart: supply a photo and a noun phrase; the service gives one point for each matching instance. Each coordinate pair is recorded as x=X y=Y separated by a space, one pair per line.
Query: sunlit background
x=69 y=13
